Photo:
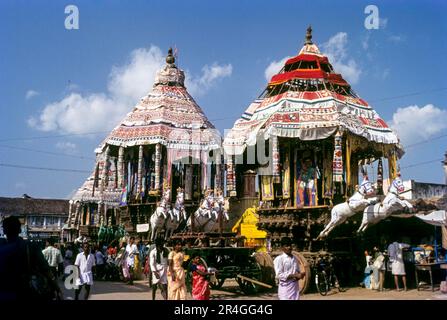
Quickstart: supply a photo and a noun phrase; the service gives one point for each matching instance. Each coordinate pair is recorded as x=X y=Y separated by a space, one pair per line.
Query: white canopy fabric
x=436 y=218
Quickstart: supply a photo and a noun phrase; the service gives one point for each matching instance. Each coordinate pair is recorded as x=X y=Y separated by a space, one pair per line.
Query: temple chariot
x=307 y=144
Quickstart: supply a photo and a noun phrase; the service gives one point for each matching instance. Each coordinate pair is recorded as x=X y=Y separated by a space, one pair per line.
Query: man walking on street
x=85 y=262
x=158 y=261
x=53 y=257
x=132 y=251
x=288 y=272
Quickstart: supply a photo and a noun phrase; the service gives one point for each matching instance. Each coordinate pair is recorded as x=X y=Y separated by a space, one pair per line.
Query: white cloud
x=335 y=49
x=67 y=147
x=413 y=123
x=365 y=41
x=31 y=93
x=78 y=113
x=134 y=79
x=198 y=86
x=274 y=67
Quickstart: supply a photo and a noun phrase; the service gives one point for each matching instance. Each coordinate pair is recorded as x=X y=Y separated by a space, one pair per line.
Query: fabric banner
x=275 y=156
x=286 y=178
x=349 y=188
x=380 y=177
x=392 y=165
x=337 y=162
x=231 y=178
x=327 y=174
x=157 y=165
x=188 y=181
x=267 y=188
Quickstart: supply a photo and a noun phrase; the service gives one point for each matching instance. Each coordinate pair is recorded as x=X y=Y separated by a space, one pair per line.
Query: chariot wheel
x=265 y=261
x=304 y=283
x=247 y=286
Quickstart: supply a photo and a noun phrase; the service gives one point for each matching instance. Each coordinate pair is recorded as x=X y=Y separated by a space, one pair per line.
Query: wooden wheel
x=265 y=261
x=247 y=286
x=304 y=266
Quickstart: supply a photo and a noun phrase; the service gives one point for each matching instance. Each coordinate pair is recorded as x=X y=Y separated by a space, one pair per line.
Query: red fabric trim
x=382 y=123
x=307 y=57
x=365 y=121
x=308 y=74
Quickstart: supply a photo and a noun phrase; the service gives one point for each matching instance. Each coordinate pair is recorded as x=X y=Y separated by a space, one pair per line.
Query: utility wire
x=422 y=163
x=409 y=94
x=53 y=136
x=47 y=152
x=42 y=168
x=425 y=141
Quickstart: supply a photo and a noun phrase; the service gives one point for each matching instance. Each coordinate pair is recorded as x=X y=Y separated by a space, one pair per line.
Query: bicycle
x=325 y=277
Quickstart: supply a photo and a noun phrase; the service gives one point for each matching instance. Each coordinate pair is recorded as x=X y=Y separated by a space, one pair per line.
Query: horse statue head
x=366 y=187
x=397 y=186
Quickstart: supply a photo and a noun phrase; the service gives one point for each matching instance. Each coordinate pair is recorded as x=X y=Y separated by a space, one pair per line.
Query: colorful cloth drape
x=286 y=178
x=267 y=188
x=275 y=157
x=231 y=177
x=392 y=164
x=337 y=162
x=157 y=165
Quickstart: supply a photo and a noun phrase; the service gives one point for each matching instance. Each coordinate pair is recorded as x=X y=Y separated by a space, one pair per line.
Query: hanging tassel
x=337 y=163
x=380 y=177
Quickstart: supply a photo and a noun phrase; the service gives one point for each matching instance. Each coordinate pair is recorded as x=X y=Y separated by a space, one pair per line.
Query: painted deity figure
x=306 y=184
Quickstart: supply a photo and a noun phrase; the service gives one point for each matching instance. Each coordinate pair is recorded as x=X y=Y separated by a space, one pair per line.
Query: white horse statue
x=392 y=203
x=203 y=214
x=218 y=210
x=342 y=211
x=177 y=215
x=158 y=218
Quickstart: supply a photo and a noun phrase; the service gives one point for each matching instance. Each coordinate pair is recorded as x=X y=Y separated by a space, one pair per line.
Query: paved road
x=140 y=291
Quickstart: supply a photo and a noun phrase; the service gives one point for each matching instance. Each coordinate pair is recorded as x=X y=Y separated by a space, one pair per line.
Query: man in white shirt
x=85 y=261
x=395 y=253
x=158 y=262
x=288 y=272
x=132 y=251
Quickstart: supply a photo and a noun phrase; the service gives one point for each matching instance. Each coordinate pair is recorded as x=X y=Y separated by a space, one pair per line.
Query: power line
x=53 y=136
x=47 y=152
x=42 y=168
x=422 y=163
x=425 y=141
x=409 y=94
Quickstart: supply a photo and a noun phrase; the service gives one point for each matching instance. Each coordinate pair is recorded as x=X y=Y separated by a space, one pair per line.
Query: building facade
x=40 y=218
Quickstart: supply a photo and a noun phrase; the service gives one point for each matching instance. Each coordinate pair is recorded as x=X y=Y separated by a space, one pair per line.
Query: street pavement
x=103 y=290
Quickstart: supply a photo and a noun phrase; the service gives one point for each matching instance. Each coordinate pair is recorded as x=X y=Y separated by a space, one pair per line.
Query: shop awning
x=436 y=218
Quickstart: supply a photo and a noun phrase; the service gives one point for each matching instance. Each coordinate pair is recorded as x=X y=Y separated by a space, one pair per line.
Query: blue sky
x=225 y=47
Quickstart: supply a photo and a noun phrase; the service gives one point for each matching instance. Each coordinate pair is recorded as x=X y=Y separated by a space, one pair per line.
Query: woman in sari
x=176 y=274
x=121 y=262
x=200 y=283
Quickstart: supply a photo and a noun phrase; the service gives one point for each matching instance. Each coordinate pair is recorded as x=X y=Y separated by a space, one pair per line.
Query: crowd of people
x=377 y=265
x=28 y=271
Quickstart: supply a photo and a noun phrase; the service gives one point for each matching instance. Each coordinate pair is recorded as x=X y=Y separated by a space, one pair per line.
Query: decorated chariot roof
x=90 y=191
x=167 y=115
x=308 y=100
